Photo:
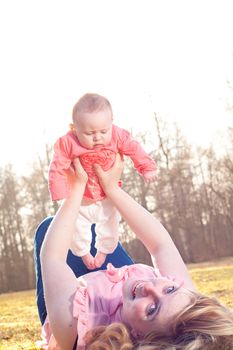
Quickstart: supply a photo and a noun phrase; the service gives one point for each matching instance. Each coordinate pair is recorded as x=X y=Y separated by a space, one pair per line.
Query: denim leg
x=118 y=258
x=38 y=240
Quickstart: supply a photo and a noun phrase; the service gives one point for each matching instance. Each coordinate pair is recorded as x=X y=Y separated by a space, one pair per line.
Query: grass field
x=19 y=323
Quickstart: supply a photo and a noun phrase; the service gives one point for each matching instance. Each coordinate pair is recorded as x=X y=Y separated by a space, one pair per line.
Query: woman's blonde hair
x=112 y=337
x=205 y=324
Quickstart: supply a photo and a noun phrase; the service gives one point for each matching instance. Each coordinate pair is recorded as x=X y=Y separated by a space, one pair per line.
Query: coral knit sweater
x=67 y=148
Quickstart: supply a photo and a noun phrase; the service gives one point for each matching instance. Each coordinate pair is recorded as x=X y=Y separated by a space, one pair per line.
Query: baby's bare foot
x=89 y=261
x=99 y=259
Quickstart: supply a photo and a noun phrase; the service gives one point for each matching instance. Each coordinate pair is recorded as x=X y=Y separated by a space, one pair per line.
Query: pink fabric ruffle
x=80 y=311
x=115 y=275
x=104 y=157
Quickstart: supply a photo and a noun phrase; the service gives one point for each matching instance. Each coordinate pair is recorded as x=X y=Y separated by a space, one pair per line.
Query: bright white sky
x=52 y=51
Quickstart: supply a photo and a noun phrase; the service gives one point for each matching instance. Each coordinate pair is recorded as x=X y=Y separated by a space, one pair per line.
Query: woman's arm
x=147 y=228
x=58 y=279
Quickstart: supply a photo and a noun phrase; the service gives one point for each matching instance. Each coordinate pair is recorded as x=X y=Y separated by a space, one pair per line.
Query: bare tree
x=14 y=253
x=193 y=197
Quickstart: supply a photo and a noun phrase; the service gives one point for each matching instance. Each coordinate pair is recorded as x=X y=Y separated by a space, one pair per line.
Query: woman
x=152 y=311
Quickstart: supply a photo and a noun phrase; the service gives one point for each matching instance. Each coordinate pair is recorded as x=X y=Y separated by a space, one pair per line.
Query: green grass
x=19 y=322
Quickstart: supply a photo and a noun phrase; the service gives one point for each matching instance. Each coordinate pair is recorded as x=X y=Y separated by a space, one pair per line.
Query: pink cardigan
x=67 y=148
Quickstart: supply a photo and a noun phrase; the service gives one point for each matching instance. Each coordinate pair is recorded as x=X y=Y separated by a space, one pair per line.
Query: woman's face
x=151 y=304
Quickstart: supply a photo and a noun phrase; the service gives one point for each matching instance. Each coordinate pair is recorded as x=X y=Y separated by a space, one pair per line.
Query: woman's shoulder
x=115 y=274
x=145 y=269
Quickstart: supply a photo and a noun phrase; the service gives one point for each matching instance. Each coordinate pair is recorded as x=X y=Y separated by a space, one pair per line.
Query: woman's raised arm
x=59 y=280
x=147 y=228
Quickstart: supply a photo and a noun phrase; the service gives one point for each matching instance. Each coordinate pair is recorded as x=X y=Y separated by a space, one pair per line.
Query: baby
x=95 y=140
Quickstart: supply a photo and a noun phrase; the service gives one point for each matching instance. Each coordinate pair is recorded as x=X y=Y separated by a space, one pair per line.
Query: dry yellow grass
x=19 y=322
x=216 y=281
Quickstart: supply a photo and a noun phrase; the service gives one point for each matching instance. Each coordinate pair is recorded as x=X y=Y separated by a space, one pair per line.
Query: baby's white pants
x=107 y=218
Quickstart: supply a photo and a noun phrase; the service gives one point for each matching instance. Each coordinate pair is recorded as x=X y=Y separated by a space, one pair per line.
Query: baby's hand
x=150 y=176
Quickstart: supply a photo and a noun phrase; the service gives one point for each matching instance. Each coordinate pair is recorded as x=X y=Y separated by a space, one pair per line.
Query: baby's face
x=94 y=129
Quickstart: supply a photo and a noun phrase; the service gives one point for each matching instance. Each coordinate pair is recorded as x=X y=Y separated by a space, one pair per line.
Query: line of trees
x=193 y=198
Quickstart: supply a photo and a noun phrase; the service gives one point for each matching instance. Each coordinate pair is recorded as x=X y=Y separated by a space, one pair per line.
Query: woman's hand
x=80 y=176
x=109 y=179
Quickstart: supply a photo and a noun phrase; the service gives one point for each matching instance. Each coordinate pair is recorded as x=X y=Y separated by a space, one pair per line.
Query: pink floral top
x=98 y=301
x=67 y=148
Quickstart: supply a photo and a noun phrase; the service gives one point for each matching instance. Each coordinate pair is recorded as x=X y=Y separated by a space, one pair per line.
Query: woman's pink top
x=67 y=148
x=98 y=301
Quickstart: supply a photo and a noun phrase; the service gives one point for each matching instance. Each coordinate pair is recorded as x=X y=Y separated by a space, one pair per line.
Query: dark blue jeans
x=118 y=258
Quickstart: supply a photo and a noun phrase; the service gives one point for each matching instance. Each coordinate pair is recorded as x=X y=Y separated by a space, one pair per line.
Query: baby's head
x=92 y=121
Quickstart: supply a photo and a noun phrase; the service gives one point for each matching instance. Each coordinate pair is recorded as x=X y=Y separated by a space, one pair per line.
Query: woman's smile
x=152 y=303
x=136 y=289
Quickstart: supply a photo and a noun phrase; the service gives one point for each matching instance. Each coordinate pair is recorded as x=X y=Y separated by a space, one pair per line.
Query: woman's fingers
x=98 y=170
x=107 y=178
x=110 y=177
x=118 y=163
x=116 y=169
x=79 y=171
x=77 y=164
